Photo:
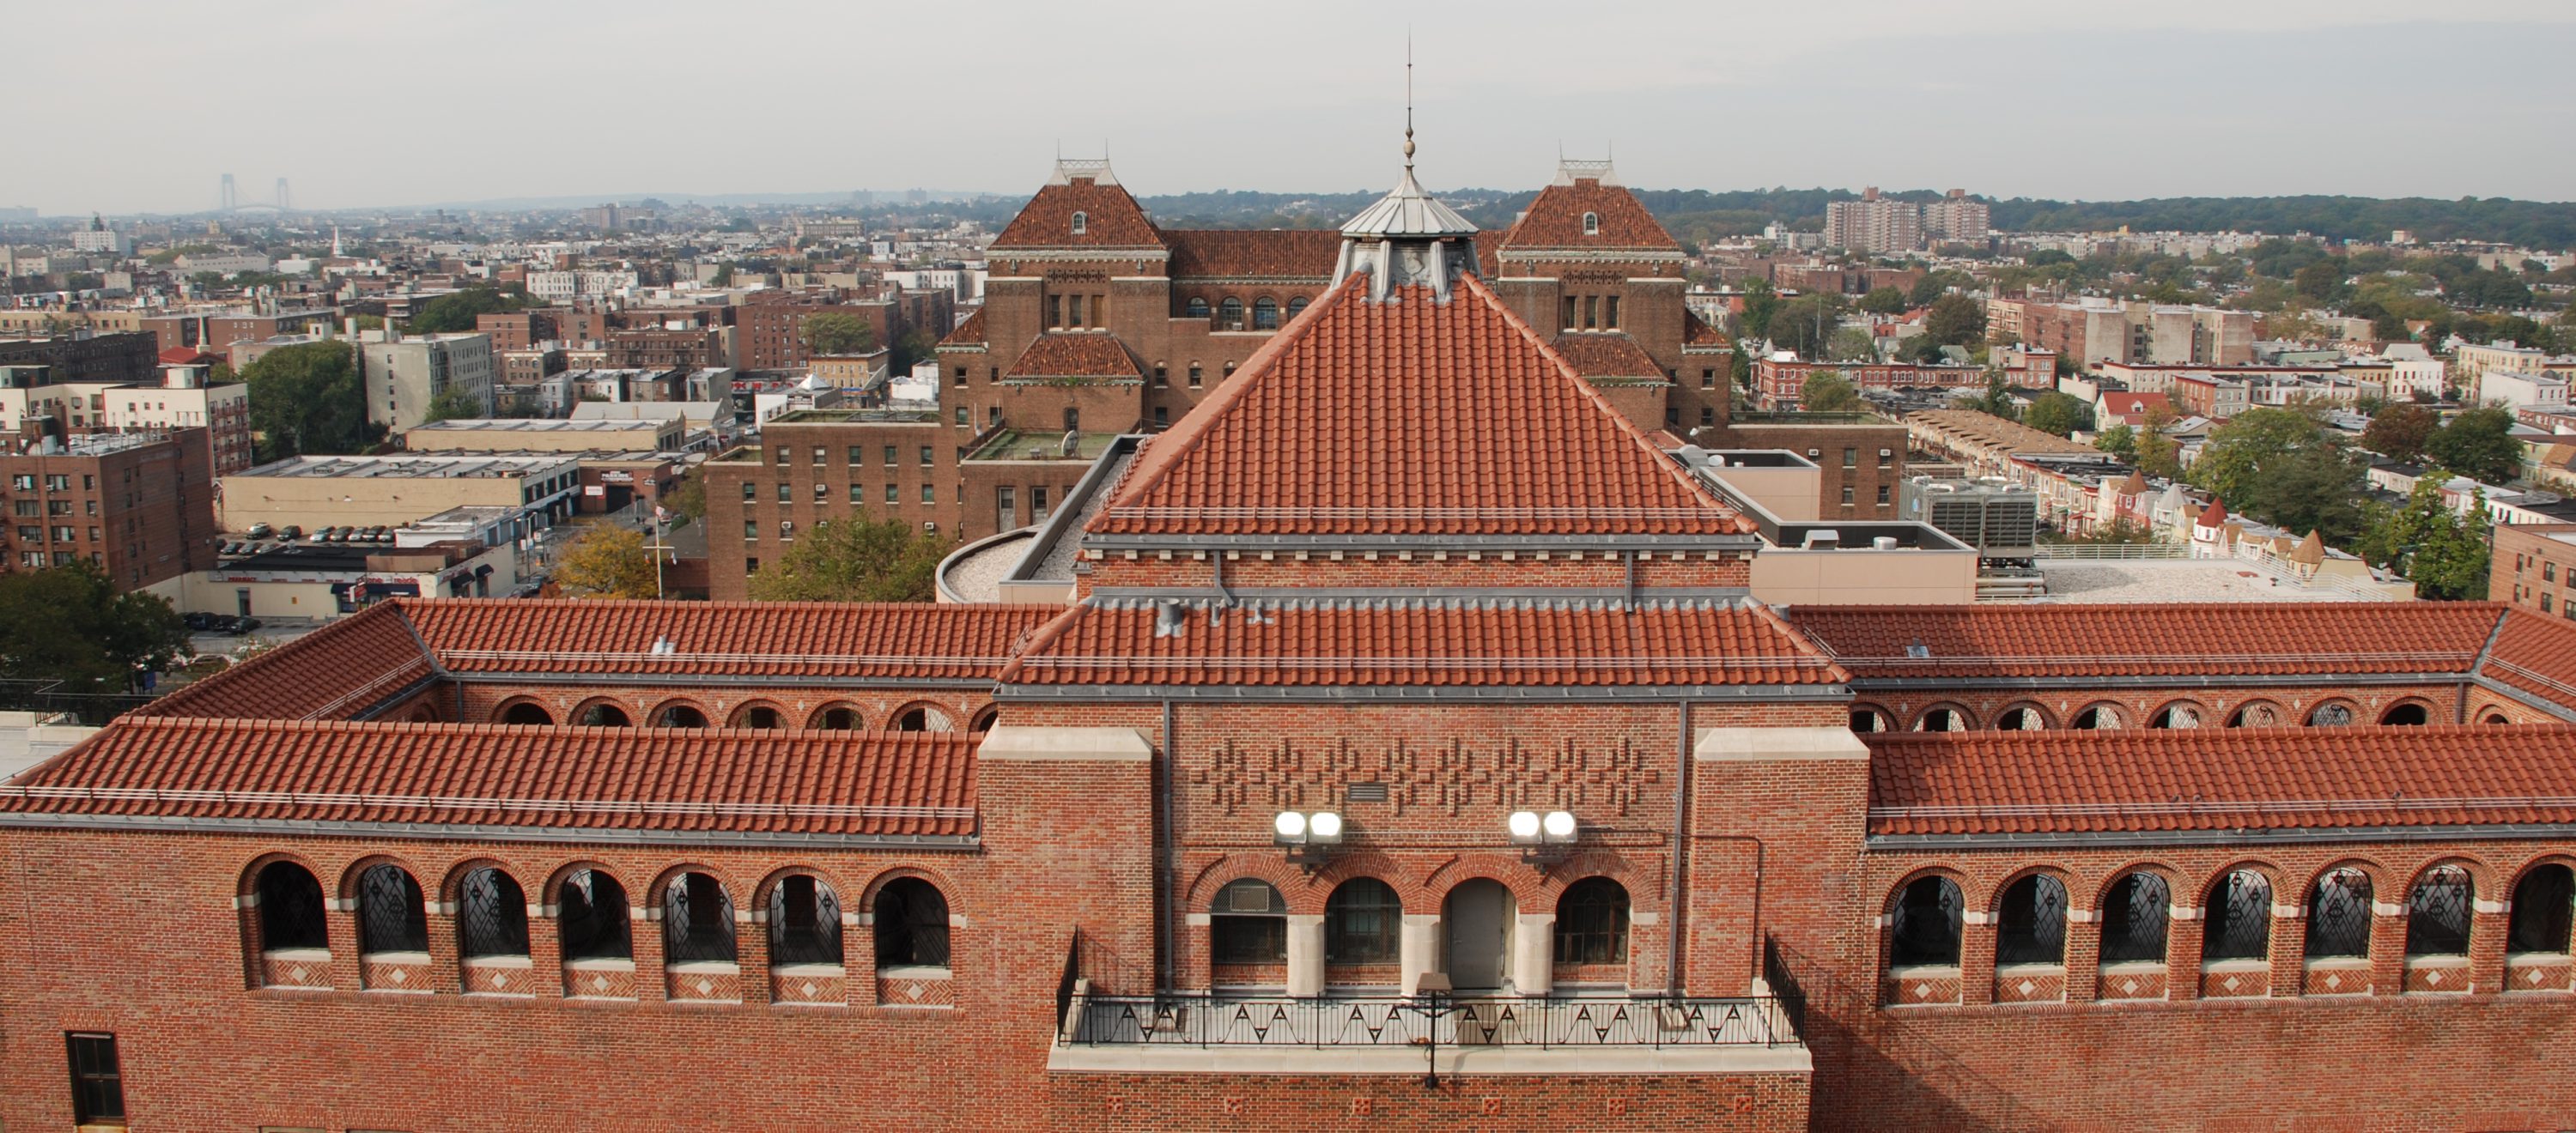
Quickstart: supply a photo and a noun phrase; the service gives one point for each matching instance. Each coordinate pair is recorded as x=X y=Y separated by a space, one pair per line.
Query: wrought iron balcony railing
x=1205 y=1019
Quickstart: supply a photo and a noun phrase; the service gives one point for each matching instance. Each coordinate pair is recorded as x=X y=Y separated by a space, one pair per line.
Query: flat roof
x=855 y=416
x=409 y=466
x=1014 y=444
x=544 y=425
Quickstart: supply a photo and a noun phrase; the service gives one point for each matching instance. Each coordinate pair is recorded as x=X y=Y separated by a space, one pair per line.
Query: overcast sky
x=141 y=105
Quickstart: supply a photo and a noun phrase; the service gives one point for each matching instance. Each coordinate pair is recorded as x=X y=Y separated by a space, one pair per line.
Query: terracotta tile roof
x=1248 y=253
x=889 y=641
x=1408 y=417
x=1697 y=334
x=2214 y=639
x=2536 y=653
x=1075 y=354
x=2219 y=779
x=968 y=333
x=331 y=673
x=1424 y=645
x=1489 y=244
x=1555 y=220
x=1607 y=356
x=774 y=782
x=187 y=356
x=1111 y=219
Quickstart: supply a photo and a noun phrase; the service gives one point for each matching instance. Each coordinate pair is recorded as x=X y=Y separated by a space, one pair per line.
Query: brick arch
x=2272 y=872
x=741 y=715
x=984 y=718
x=1370 y=864
x=1896 y=889
x=2101 y=886
x=247 y=883
x=451 y=885
x=1994 y=900
x=2047 y=719
x=2382 y=879
x=1294 y=885
x=1602 y=863
x=349 y=878
x=1970 y=718
x=662 y=881
x=947 y=712
x=2122 y=715
x=423 y=714
x=551 y=892
x=867 y=895
x=653 y=718
x=2283 y=716
x=1886 y=718
x=2360 y=715
x=501 y=711
x=2482 y=876
x=583 y=707
x=2198 y=707
x=2490 y=712
x=858 y=715
x=1512 y=873
x=768 y=883
x=2431 y=711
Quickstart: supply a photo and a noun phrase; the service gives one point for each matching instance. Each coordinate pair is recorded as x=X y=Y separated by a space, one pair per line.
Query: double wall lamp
x=1308 y=838
x=1544 y=839
x=1311 y=839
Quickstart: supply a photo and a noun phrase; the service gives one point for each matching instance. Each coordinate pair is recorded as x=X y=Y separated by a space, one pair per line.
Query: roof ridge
x=1040 y=638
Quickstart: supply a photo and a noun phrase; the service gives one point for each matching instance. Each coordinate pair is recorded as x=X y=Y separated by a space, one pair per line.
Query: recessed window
x=98 y=1086
x=1229 y=314
x=1081 y=223
x=1196 y=308
x=1265 y=313
x=1592 y=224
x=1363 y=923
x=2437 y=912
x=804 y=922
x=1592 y=923
x=2135 y=916
x=2031 y=925
x=1248 y=924
x=911 y=925
x=2339 y=915
x=697 y=921
x=1924 y=927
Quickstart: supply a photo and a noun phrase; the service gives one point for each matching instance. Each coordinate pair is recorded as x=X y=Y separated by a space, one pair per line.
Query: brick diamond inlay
x=2130 y=986
x=2027 y=987
x=705 y=987
x=2433 y=978
x=295 y=975
x=2229 y=983
x=808 y=989
x=2334 y=979
x=599 y=983
x=2532 y=976
x=500 y=979
x=912 y=991
x=400 y=976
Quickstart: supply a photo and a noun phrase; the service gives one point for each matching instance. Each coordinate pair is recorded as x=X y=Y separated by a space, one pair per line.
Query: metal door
x=1478 y=920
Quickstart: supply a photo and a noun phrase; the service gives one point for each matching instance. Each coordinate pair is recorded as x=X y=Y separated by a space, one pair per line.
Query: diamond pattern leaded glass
x=2240 y=918
x=594 y=918
x=2437 y=913
x=1925 y=928
x=2135 y=919
x=390 y=917
x=697 y=920
x=804 y=922
x=2034 y=922
x=2339 y=915
x=492 y=919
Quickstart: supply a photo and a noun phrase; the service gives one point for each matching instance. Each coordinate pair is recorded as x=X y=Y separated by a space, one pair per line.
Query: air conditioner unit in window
x=1885 y=453
x=1815 y=452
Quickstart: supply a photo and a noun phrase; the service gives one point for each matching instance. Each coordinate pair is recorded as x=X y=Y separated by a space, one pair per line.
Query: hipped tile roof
x=331 y=673
x=1697 y=334
x=1423 y=645
x=1111 y=219
x=625 y=779
x=1409 y=417
x=2536 y=653
x=884 y=640
x=1555 y=220
x=1253 y=253
x=1075 y=354
x=2234 y=779
x=968 y=333
x=1607 y=356
x=2184 y=640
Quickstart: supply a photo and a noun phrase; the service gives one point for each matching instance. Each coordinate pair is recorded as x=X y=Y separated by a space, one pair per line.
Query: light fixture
x=1524 y=825
x=1290 y=825
x=1308 y=838
x=1544 y=839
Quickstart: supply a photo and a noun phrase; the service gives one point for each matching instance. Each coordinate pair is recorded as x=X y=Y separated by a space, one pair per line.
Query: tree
x=1883 y=301
x=2398 y=432
x=2120 y=441
x=307 y=399
x=1805 y=324
x=1852 y=344
x=832 y=332
x=2284 y=467
x=2425 y=541
x=1934 y=284
x=1954 y=320
x=1997 y=401
x=854 y=559
x=2478 y=444
x=689 y=500
x=1827 y=392
x=2061 y=413
x=456 y=311
x=1760 y=303
x=2156 y=453
x=69 y=624
x=454 y=405
x=609 y=562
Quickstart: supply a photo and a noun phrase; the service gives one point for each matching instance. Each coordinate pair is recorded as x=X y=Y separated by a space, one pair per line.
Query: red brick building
x=1356 y=767
x=139 y=506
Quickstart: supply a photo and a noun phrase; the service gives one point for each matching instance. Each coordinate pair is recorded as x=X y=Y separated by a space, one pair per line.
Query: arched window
x=1081 y=223
x=2135 y=915
x=912 y=925
x=984 y=720
x=1867 y=720
x=2022 y=719
x=2257 y=714
x=290 y=908
x=804 y=922
x=679 y=716
x=1229 y=314
x=593 y=918
x=2031 y=925
x=1196 y=307
x=1248 y=924
x=1363 y=923
x=2437 y=912
x=1592 y=923
x=492 y=915
x=836 y=718
x=923 y=718
x=2180 y=714
x=697 y=920
x=1297 y=306
x=603 y=715
x=1924 y=929
x=1265 y=313
x=2238 y=925
x=2339 y=915
x=758 y=716
x=2097 y=718
x=2407 y=715
x=2544 y=908
x=2331 y=714
x=2495 y=718
x=1592 y=224
x=525 y=712
x=390 y=916
x=1942 y=720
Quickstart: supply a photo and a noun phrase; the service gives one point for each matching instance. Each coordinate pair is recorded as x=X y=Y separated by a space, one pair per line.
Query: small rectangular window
x=926 y=459
x=783 y=494
x=1006 y=509
x=857 y=494
x=1847 y=495
x=1196 y=375
x=751 y=529
x=961 y=417
x=1882 y=495
x=1568 y=320
x=1610 y=313
x=890 y=458
x=858 y=455
x=893 y=495
x=2548 y=571
x=1038 y=504
x=1851 y=458
x=930 y=493
x=784 y=455
x=98 y=1087
x=822 y=492
x=1708 y=379
x=1591 y=312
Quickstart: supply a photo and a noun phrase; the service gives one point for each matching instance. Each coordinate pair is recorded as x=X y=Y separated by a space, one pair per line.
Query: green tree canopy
x=1827 y=392
x=854 y=559
x=456 y=312
x=1934 y=284
x=609 y=562
x=69 y=624
x=1883 y=301
x=1955 y=320
x=833 y=332
x=1806 y=324
x=2060 y=413
x=2282 y=466
x=307 y=399
x=2120 y=441
x=1996 y=401
x=2443 y=553
x=2398 y=432
x=2478 y=444
x=1760 y=303
x=454 y=405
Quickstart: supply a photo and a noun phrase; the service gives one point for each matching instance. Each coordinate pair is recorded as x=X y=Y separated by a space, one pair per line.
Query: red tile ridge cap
x=1763 y=610
x=1037 y=640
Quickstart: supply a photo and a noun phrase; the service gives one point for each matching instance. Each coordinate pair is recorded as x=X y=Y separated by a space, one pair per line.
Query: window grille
x=98 y=1083
x=2437 y=913
x=1592 y=923
x=2339 y=915
x=492 y=915
x=804 y=922
x=1925 y=927
x=2032 y=928
x=1363 y=923
x=697 y=920
x=390 y=916
x=2240 y=918
x=2135 y=919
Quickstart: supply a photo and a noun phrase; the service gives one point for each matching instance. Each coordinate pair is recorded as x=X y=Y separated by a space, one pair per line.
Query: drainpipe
x=1630 y=558
x=1673 y=901
x=1165 y=877
x=1216 y=564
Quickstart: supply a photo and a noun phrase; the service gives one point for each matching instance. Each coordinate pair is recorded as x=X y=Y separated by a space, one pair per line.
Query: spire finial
x=1408 y=100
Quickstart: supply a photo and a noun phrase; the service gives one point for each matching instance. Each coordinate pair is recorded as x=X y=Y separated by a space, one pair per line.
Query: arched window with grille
x=602 y=715
x=1248 y=924
x=1923 y=929
x=804 y=922
x=1229 y=314
x=912 y=925
x=390 y=915
x=2544 y=909
x=290 y=909
x=593 y=919
x=526 y=712
x=491 y=915
x=2031 y=924
x=1081 y=223
x=1592 y=224
x=836 y=718
x=2339 y=915
x=1592 y=923
x=1196 y=308
x=679 y=716
x=2238 y=925
x=2437 y=912
x=2135 y=917
x=1265 y=313
x=1296 y=306
x=697 y=921
x=1363 y=923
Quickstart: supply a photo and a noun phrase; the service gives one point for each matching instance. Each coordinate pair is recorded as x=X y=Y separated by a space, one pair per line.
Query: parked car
x=290 y=533
x=199 y=622
x=259 y=531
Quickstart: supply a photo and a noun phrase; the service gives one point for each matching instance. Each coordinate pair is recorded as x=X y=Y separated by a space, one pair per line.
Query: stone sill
x=1408 y=1062
x=502 y=962
x=707 y=967
x=605 y=965
x=391 y=957
x=913 y=973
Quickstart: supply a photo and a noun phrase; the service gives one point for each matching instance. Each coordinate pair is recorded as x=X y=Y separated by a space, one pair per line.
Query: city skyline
x=2274 y=102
